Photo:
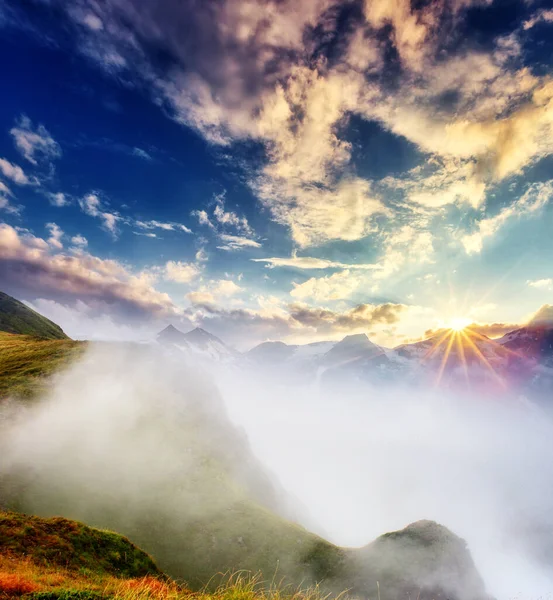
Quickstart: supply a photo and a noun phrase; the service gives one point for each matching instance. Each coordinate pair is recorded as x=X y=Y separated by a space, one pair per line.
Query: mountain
x=15 y=317
x=199 y=342
x=279 y=352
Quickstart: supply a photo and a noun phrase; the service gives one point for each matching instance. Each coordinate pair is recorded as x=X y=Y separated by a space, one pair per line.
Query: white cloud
x=541 y=283
x=309 y=263
x=92 y=206
x=35 y=144
x=230 y=219
x=142 y=154
x=236 y=242
x=181 y=272
x=214 y=290
x=531 y=202
x=56 y=235
x=79 y=241
x=161 y=225
x=58 y=199
x=338 y=286
x=14 y=172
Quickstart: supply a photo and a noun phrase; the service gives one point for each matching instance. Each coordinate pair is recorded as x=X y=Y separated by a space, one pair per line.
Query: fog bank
x=388 y=456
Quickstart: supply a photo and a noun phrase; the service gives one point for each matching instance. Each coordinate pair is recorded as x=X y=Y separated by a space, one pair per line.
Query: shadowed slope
x=15 y=317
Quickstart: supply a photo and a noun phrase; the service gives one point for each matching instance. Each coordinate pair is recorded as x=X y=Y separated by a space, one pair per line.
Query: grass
x=26 y=362
x=69 y=544
x=17 y=318
x=59 y=559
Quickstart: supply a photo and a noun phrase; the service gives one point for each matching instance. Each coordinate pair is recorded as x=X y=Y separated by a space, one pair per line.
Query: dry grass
x=23 y=578
x=26 y=362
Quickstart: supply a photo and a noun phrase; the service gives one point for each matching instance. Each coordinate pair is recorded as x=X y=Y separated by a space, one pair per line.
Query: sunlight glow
x=459 y=323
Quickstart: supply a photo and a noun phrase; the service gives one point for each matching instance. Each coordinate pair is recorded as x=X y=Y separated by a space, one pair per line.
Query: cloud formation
x=31 y=268
x=35 y=144
x=290 y=76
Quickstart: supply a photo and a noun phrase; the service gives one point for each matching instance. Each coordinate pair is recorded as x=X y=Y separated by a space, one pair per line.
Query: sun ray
x=483 y=359
x=452 y=335
x=461 y=350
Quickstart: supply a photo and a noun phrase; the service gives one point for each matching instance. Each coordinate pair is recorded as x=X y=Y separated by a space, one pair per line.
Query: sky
x=277 y=169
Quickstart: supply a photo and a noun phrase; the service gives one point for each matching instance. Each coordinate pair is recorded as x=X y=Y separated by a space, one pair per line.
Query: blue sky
x=277 y=170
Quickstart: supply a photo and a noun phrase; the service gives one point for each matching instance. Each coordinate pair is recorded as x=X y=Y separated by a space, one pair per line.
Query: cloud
x=237 y=242
x=35 y=144
x=332 y=287
x=14 y=172
x=359 y=318
x=230 y=219
x=229 y=227
x=92 y=206
x=56 y=235
x=214 y=290
x=544 y=316
x=79 y=241
x=142 y=154
x=5 y=199
x=181 y=272
x=30 y=268
x=541 y=283
x=160 y=225
x=530 y=203
x=58 y=199
x=289 y=77
x=542 y=16
x=309 y=263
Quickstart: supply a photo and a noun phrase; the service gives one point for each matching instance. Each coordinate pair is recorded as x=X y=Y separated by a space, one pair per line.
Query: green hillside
x=15 y=317
x=59 y=542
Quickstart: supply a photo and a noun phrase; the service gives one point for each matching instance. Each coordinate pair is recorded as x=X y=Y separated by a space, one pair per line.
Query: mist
x=130 y=432
x=388 y=456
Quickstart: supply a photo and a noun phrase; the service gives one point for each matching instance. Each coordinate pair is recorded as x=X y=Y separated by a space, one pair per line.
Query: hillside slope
x=59 y=542
x=15 y=317
x=27 y=362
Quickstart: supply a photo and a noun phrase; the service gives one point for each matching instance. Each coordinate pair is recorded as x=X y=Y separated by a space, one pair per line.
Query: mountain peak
x=171 y=334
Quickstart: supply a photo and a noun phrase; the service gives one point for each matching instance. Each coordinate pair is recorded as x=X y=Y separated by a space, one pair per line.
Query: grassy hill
x=59 y=559
x=26 y=362
x=15 y=317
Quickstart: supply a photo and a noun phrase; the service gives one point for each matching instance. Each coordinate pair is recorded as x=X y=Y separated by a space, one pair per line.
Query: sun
x=458 y=323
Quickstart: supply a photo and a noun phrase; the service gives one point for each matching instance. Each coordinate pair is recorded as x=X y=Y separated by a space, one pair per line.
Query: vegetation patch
x=16 y=317
x=73 y=546
x=27 y=362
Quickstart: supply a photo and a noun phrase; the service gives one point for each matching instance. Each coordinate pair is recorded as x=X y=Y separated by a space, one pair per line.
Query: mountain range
x=521 y=361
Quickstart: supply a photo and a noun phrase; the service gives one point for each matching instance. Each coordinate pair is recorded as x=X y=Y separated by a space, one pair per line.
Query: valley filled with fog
x=126 y=434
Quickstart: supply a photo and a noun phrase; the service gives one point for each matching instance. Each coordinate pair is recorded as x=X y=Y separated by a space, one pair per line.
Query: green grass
x=26 y=362
x=17 y=318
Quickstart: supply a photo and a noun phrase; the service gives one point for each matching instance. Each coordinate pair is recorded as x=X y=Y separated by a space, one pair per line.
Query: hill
x=15 y=317
x=59 y=542
x=60 y=559
x=27 y=362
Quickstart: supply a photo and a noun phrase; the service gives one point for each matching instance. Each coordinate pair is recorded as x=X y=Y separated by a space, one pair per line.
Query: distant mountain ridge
x=197 y=341
x=16 y=317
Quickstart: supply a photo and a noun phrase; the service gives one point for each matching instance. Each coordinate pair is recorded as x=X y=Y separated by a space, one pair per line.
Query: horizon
x=278 y=171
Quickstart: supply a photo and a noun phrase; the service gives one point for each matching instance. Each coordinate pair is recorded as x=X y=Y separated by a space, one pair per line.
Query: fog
x=113 y=439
